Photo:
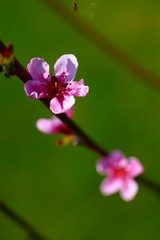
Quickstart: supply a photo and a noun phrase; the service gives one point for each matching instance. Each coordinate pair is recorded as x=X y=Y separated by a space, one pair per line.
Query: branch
x=30 y=230
x=149 y=184
x=24 y=76
x=103 y=43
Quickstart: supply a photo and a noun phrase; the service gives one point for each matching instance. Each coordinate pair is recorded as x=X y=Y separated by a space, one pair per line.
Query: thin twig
x=30 y=230
x=103 y=43
x=149 y=184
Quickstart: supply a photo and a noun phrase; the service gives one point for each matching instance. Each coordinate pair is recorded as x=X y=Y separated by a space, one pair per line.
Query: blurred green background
x=57 y=188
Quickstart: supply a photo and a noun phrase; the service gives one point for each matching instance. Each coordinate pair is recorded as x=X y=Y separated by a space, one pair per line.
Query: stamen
x=56 y=84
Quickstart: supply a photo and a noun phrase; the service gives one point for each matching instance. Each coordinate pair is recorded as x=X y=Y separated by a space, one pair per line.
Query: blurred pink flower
x=120 y=172
x=56 y=126
x=60 y=88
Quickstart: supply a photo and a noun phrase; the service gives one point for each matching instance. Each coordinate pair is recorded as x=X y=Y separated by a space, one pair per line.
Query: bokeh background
x=57 y=188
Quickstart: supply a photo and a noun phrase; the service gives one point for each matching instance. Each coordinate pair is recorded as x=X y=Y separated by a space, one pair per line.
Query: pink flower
x=56 y=126
x=120 y=172
x=60 y=89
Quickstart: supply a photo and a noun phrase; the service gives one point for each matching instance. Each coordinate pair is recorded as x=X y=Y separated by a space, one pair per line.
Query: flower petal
x=113 y=161
x=78 y=89
x=110 y=186
x=65 y=67
x=117 y=159
x=134 y=167
x=129 y=189
x=35 y=89
x=39 y=69
x=116 y=155
x=61 y=104
x=70 y=112
x=103 y=167
x=49 y=126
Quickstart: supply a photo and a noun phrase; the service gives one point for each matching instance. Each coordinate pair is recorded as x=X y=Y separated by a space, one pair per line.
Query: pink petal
x=103 y=167
x=112 y=161
x=66 y=67
x=49 y=126
x=129 y=189
x=134 y=167
x=35 y=89
x=117 y=159
x=116 y=155
x=77 y=89
x=110 y=186
x=70 y=112
x=61 y=104
x=39 y=69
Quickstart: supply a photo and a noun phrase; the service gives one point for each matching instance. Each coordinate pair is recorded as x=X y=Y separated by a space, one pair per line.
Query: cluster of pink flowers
x=120 y=172
x=60 y=88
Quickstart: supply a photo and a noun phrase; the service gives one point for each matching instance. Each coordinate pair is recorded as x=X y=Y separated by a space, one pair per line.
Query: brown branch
x=22 y=74
x=30 y=230
x=103 y=43
x=149 y=184
x=82 y=136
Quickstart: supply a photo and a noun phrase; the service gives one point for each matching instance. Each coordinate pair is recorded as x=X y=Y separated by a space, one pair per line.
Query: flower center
x=55 y=87
x=120 y=172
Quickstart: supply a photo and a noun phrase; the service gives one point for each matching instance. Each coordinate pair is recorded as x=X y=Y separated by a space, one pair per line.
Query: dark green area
x=57 y=188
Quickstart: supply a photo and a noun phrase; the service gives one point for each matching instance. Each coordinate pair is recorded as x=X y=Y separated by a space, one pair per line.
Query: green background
x=57 y=188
